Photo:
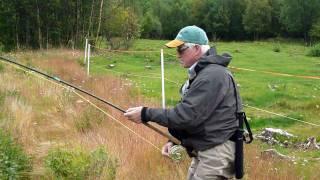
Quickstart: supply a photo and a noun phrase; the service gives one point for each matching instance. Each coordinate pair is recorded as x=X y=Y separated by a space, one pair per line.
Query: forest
x=42 y=24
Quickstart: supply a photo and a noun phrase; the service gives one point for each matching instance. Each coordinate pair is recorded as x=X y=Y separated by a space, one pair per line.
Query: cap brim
x=174 y=43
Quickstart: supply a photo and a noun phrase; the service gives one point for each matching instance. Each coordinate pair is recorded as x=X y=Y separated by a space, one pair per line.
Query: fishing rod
x=54 y=78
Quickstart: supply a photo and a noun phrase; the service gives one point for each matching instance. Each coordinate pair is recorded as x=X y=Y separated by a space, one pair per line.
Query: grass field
x=293 y=96
x=42 y=116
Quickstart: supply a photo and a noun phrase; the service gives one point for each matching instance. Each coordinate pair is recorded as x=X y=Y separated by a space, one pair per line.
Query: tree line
x=53 y=23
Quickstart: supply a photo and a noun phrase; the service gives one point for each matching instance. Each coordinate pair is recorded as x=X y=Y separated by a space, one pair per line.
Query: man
x=205 y=120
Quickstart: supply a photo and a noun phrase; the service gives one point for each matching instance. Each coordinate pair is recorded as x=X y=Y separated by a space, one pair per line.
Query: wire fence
x=236 y=68
x=276 y=73
x=231 y=67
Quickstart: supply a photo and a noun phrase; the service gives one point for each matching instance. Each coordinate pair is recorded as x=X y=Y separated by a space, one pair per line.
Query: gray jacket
x=205 y=117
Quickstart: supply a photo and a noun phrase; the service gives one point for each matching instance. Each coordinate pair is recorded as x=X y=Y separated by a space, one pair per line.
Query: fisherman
x=204 y=120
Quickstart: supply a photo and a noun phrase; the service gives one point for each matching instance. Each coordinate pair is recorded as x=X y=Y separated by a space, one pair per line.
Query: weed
x=276 y=48
x=315 y=51
x=88 y=119
x=11 y=93
x=1 y=68
x=81 y=62
x=78 y=164
x=14 y=163
x=102 y=165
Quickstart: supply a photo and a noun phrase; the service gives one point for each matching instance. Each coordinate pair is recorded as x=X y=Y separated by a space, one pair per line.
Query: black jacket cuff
x=144 y=115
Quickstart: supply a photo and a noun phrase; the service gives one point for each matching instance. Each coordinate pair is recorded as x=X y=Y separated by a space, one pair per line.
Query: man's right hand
x=166 y=148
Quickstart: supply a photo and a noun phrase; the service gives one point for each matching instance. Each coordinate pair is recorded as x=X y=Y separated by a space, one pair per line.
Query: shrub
x=315 y=51
x=85 y=122
x=102 y=165
x=1 y=47
x=77 y=164
x=237 y=50
x=1 y=68
x=81 y=62
x=14 y=163
x=276 y=48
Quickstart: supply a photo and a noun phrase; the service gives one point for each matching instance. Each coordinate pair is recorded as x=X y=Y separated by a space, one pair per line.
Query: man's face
x=186 y=55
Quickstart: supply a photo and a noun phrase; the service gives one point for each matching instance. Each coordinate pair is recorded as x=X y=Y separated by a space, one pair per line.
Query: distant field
x=292 y=96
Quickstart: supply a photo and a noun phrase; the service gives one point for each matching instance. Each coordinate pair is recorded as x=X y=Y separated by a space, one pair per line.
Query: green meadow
x=295 y=97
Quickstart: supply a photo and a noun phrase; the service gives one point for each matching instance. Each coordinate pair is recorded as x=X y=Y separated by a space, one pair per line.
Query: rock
x=270 y=132
x=273 y=87
x=272 y=153
x=311 y=143
x=111 y=65
x=270 y=135
x=147 y=67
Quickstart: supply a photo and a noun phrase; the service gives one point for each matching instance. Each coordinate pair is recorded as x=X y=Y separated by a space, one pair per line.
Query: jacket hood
x=211 y=57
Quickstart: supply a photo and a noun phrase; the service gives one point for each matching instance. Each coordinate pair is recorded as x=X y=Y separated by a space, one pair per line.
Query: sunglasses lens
x=181 y=49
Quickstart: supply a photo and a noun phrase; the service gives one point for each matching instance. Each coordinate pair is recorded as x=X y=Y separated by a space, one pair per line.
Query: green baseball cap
x=189 y=34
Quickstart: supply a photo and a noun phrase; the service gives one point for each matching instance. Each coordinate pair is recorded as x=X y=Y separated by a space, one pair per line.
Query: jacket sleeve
x=203 y=97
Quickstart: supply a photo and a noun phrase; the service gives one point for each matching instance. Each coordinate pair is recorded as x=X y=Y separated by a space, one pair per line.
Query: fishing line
x=56 y=79
x=94 y=105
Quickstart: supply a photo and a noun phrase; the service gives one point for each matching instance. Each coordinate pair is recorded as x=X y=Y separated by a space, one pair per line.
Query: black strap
x=241 y=116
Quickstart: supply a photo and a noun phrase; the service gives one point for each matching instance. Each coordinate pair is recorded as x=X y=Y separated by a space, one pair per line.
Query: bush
x=1 y=68
x=315 y=51
x=1 y=48
x=76 y=164
x=14 y=163
x=85 y=122
x=81 y=62
x=276 y=48
x=101 y=165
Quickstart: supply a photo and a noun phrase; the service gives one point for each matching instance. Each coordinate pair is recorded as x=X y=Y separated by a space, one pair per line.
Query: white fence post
x=85 y=51
x=162 y=81
x=88 y=63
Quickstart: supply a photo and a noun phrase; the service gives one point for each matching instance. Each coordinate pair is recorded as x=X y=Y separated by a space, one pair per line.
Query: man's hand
x=134 y=114
x=166 y=148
